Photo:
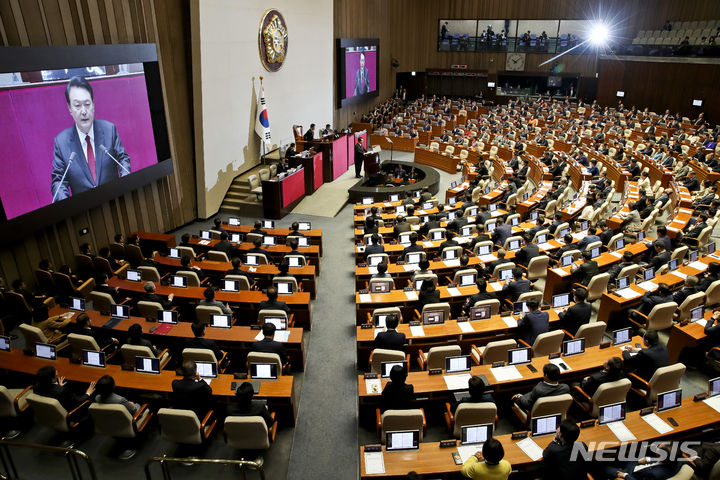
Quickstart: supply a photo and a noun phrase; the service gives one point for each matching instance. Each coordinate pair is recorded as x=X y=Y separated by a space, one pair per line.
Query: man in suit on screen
x=90 y=151
x=362 y=78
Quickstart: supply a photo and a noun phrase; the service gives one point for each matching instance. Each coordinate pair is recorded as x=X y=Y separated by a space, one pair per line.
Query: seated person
x=151 y=296
x=428 y=294
x=185 y=266
x=199 y=341
x=612 y=370
x=382 y=271
x=210 y=301
x=191 y=392
x=489 y=464
x=482 y=294
x=413 y=247
x=244 y=405
x=105 y=389
x=53 y=326
x=82 y=327
x=516 y=287
x=375 y=245
x=548 y=387
x=584 y=272
x=401 y=226
x=651 y=299
x=185 y=240
x=48 y=384
x=646 y=360
x=424 y=269
x=577 y=315
x=560 y=459
x=284 y=270
x=236 y=262
x=627 y=261
x=533 y=323
x=224 y=244
x=102 y=286
x=476 y=393
x=135 y=337
x=397 y=394
x=391 y=339
x=269 y=345
x=272 y=303
x=257 y=228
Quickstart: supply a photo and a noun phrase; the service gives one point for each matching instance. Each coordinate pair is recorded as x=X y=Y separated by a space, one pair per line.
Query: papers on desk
x=411 y=295
x=545 y=246
x=678 y=273
x=657 y=423
x=628 y=293
x=376 y=331
x=648 y=286
x=365 y=298
x=387 y=204
x=504 y=374
x=579 y=236
x=510 y=321
x=279 y=336
x=454 y=292
x=672 y=229
x=559 y=271
x=495 y=214
x=558 y=361
x=702 y=322
x=713 y=402
x=463 y=240
x=716 y=257
x=204 y=242
x=372 y=270
x=411 y=267
x=427 y=244
x=467 y=451
x=452 y=263
x=374 y=463
x=373 y=385
x=259 y=337
x=487 y=258
x=530 y=448
x=466 y=327
x=207 y=380
x=252 y=269
x=417 y=331
x=621 y=431
x=457 y=382
x=494 y=286
x=487 y=197
x=698 y=265
x=616 y=254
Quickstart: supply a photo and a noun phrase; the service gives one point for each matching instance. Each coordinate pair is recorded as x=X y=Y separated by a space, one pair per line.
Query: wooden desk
x=314 y=235
x=246 y=302
x=401 y=144
x=279 y=393
x=687 y=336
x=312 y=253
x=446 y=163
x=155 y=240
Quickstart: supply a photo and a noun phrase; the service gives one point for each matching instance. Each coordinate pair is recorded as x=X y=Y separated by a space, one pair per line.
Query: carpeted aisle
x=330 y=198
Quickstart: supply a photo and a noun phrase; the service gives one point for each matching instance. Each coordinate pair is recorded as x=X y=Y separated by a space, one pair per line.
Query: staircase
x=238 y=199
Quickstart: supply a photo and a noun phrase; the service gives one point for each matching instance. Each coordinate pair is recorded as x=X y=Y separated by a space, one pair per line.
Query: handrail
x=164 y=462
x=71 y=455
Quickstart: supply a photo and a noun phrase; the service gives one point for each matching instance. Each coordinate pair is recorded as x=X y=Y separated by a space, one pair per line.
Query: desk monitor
x=4 y=343
x=304 y=226
x=476 y=434
x=374 y=261
x=178 y=281
x=574 y=347
x=611 y=413
x=453 y=184
x=518 y=356
x=466 y=231
x=534 y=215
x=450 y=254
x=542 y=238
x=481 y=312
x=367 y=201
x=710 y=248
x=467 y=279
x=303 y=242
x=147 y=365
x=673 y=265
x=545 y=425
x=168 y=316
x=427 y=205
x=490 y=226
x=402 y=440
x=693 y=256
x=514 y=245
x=91 y=358
x=416 y=194
x=614 y=210
x=418 y=284
x=394 y=197
x=404 y=239
x=205 y=235
x=220 y=320
x=174 y=253
x=506 y=274
x=263 y=371
x=381 y=319
x=621 y=336
x=252 y=260
x=520 y=307
x=120 y=311
x=622 y=282
x=566 y=260
x=77 y=304
x=457 y=364
x=412 y=258
x=515 y=221
x=452 y=201
x=230 y=285
x=669 y=400
x=451 y=215
x=561 y=300
x=584 y=224
x=473 y=211
x=640 y=236
x=381 y=287
x=620 y=244
x=492 y=207
x=595 y=252
x=400 y=210
x=269 y=240
x=648 y=274
x=385 y=367
x=207 y=369
x=234 y=221
x=563 y=232
x=525 y=196
x=279 y=322
x=433 y=317
x=45 y=350
x=133 y=275
x=487 y=190
x=437 y=235
x=293 y=261
x=714 y=386
x=484 y=249
x=697 y=313
x=268 y=224
x=284 y=288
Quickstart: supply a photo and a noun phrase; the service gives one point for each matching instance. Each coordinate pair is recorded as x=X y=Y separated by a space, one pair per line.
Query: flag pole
x=262 y=140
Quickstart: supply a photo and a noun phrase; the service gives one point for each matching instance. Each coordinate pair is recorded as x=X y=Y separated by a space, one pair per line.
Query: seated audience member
x=516 y=287
x=627 y=261
x=258 y=250
x=528 y=252
x=295 y=230
x=236 y=262
x=712 y=275
x=244 y=405
x=272 y=303
x=257 y=228
x=424 y=269
x=151 y=296
x=375 y=245
x=651 y=299
x=482 y=294
x=560 y=460
x=401 y=226
x=488 y=464
x=382 y=271
x=548 y=387
x=661 y=256
x=284 y=270
x=688 y=289
x=199 y=341
x=269 y=345
x=612 y=370
x=577 y=315
x=584 y=272
x=102 y=286
x=82 y=327
x=533 y=323
x=476 y=393
x=55 y=325
x=646 y=360
x=413 y=247
x=371 y=225
x=217 y=225
x=48 y=384
x=224 y=244
x=34 y=300
x=428 y=294
x=191 y=392
x=397 y=394
x=104 y=252
x=185 y=266
x=135 y=337
x=210 y=301
x=391 y=339
x=185 y=240
x=105 y=390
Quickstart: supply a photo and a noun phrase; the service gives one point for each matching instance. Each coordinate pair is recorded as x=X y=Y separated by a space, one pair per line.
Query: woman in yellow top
x=488 y=465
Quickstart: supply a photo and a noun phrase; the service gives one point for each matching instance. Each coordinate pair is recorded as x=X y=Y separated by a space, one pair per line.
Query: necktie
x=91 y=158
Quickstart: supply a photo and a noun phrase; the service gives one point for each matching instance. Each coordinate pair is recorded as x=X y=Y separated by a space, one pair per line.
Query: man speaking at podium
x=90 y=152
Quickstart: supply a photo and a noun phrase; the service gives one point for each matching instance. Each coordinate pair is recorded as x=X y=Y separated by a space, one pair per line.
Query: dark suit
x=591 y=384
x=275 y=305
x=362 y=81
x=647 y=361
x=189 y=394
x=532 y=325
x=575 y=316
x=558 y=462
x=427 y=298
x=268 y=345
x=396 y=396
x=391 y=340
x=650 y=301
x=79 y=178
x=585 y=272
x=309 y=136
x=527 y=253
x=204 y=343
x=257 y=408
x=359 y=156
x=67 y=398
x=660 y=259
x=513 y=289
x=116 y=296
x=541 y=390
x=225 y=246
x=680 y=296
x=153 y=297
x=501 y=233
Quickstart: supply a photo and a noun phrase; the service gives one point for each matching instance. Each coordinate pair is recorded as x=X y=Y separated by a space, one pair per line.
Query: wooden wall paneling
x=68 y=26
x=111 y=21
x=16 y=15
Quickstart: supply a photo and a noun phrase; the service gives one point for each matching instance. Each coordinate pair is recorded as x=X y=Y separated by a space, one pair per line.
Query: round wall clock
x=272 y=40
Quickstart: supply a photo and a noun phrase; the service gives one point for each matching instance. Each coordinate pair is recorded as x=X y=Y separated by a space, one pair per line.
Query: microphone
x=104 y=149
x=72 y=156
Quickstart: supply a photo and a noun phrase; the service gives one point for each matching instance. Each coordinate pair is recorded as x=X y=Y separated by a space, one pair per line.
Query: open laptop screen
x=648 y=274
x=481 y=312
x=263 y=371
x=474 y=434
x=77 y=304
x=573 y=347
x=279 y=322
x=268 y=224
x=120 y=311
x=284 y=288
x=467 y=279
x=561 y=300
x=714 y=387
x=147 y=365
x=269 y=240
x=178 y=281
x=304 y=226
x=595 y=252
x=4 y=343
x=545 y=425
x=220 y=321
x=404 y=440
x=387 y=366
x=234 y=221
x=623 y=282
x=621 y=336
x=381 y=287
x=518 y=356
x=207 y=369
x=45 y=350
x=669 y=400
x=174 y=253
x=133 y=275
x=697 y=313
x=91 y=358
x=457 y=364
x=612 y=413
x=205 y=234
x=433 y=317
x=566 y=260
x=230 y=285
x=168 y=316
x=506 y=274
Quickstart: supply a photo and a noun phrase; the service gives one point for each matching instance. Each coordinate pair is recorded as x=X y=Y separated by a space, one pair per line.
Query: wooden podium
x=371 y=163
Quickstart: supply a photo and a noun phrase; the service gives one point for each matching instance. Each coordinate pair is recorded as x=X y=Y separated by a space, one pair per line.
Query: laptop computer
x=595 y=252
x=178 y=281
x=412 y=258
x=385 y=368
x=437 y=235
x=467 y=279
x=620 y=244
x=476 y=434
x=268 y=224
x=573 y=347
x=77 y=304
x=520 y=308
x=400 y=210
x=673 y=265
x=693 y=256
x=168 y=316
x=490 y=226
x=506 y=274
x=697 y=313
x=481 y=312
x=220 y=321
x=433 y=317
x=394 y=197
x=236 y=237
x=648 y=274
x=640 y=236
x=120 y=311
x=542 y=238
x=492 y=207
x=402 y=440
x=303 y=242
x=92 y=358
x=457 y=364
x=534 y=215
x=566 y=260
x=367 y=201
x=515 y=221
x=452 y=201
x=427 y=205
x=4 y=343
x=234 y=221
x=46 y=351
x=669 y=400
x=133 y=275
x=484 y=249
x=449 y=254
x=284 y=288
x=293 y=261
x=714 y=387
x=174 y=253
x=381 y=287
x=584 y=225
x=519 y=356
x=263 y=371
x=147 y=365
x=230 y=285
x=546 y=425
x=279 y=322
x=453 y=184
x=269 y=240
x=622 y=282
x=252 y=260
x=207 y=369
x=612 y=413
x=561 y=300
x=710 y=248
x=621 y=336
x=205 y=235
x=304 y=226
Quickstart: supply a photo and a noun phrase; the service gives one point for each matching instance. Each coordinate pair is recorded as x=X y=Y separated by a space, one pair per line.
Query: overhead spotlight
x=599 y=34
